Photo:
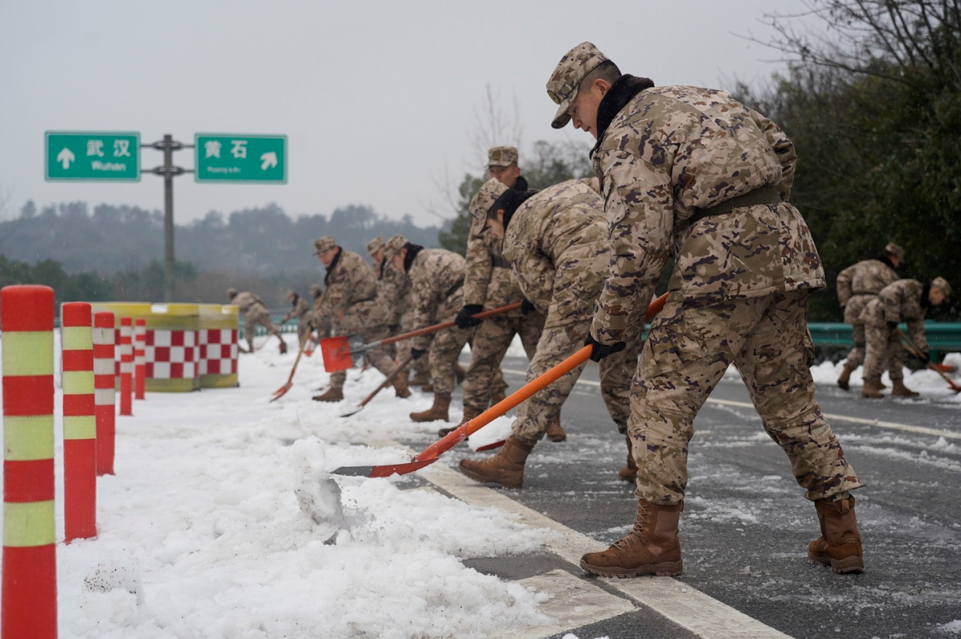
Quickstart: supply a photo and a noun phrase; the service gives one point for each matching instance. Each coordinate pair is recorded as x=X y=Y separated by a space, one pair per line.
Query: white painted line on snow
x=682 y=604
x=908 y=428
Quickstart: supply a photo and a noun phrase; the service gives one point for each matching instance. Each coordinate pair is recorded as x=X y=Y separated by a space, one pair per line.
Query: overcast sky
x=380 y=101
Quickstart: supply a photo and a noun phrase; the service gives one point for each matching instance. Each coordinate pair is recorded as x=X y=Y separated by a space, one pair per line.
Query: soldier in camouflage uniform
x=395 y=294
x=556 y=244
x=255 y=312
x=437 y=280
x=693 y=173
x=300 y=310
x=350 y=304
x=489 y=284
x=901 y=301
x=857 y=285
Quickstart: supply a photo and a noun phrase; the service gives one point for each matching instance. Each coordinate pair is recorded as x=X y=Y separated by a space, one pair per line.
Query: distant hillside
x=261 y=242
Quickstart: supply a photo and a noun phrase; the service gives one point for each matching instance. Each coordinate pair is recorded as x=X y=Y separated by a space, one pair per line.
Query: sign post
x=92 y=156
x=223 y=157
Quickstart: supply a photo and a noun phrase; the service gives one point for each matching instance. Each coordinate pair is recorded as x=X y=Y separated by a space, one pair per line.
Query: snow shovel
x=280 y=392
x=433 y=452
x=345 y=351
x=402 y=367
x=914 y=350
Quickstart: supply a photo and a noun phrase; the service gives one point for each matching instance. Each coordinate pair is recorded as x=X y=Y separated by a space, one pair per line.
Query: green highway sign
x=92 y=156
x=221 y=157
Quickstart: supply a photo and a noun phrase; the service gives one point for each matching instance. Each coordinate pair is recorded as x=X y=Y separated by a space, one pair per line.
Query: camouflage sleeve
x=844 y=285
x=479 y=266
x=640 y=206
x=783 y=148
x=534 y=273
x=424 y=305
x=891 y=297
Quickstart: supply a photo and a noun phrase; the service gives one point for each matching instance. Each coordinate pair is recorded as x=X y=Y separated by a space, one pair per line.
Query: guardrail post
x=79 y=423
x=126 y=366
x=28 y=603
x=139 y=358
x=104 y=382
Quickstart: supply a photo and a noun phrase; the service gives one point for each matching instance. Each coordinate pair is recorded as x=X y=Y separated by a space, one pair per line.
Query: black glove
x=924 y=357
x=416 y=353
x=600 y=351
x=527 y=306
x=892 y=326
x=464 y=319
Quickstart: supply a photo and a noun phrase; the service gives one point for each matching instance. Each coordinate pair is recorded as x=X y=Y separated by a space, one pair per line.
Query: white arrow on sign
x=65 y=157
x=268 y=160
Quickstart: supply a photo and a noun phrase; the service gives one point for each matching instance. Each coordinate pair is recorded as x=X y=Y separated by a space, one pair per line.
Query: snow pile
x=223 y=520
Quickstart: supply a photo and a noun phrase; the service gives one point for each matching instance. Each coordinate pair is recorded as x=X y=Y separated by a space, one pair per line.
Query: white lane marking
x=908 y=428
x=682 y=604
x=575 y=603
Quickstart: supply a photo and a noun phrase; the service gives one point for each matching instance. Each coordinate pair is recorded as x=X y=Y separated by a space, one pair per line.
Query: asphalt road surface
x=746 y=526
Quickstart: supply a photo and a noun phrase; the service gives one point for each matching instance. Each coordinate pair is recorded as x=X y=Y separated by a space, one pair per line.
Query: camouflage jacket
x=489 y=281
x=350 y=295
x=859 y=283
x=557 y=246
x=393 y=290
x=250 y=303
x=437 y=282
x=300 y=309
x=670 y=151
x=900 y=301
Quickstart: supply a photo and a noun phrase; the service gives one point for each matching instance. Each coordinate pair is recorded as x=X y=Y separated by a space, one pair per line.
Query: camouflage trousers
x=491 y=340
x=689 y=348
x=444 y=350
x=252 y=318
x=376 y=357
x=555 y=345
x=303 y=330
x=883 y=345
x=421 y=365
x=856 y=356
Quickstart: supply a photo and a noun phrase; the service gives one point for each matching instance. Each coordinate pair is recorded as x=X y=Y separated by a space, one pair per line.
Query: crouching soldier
x=901 y=301
x=556 y=243
x=437 y=280
x=350 y=304
x=255 y=312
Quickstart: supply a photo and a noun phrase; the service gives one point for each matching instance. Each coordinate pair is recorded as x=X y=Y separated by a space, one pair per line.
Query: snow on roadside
x=223 y=521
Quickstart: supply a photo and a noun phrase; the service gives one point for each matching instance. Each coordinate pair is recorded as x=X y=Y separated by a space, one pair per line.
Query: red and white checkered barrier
x=218 y=351
x=172 y=354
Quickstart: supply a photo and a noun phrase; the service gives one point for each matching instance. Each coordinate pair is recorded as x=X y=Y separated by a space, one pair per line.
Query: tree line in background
x=116 y=253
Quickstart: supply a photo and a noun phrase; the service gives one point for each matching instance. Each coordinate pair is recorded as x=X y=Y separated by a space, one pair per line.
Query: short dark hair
x=606 y=71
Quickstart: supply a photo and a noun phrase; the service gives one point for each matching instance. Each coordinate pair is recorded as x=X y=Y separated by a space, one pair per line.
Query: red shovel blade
x=280 y=392
x=384 y=470
x=336 y=353
x=944 y=368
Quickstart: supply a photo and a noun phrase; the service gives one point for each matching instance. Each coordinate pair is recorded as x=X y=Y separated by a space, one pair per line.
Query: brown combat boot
x=845 y=378
x=839 y=545
x=435 y=412
x=506 y=468
x=332 y=395
x=872 y=388
x=651 y=548
x=555 y=432
x=469 y=414
x=898 y=389
x=400 y=386
x=629 y=472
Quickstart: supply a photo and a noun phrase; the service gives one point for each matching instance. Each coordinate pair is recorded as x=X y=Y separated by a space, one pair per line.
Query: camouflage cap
x=293 y=294
x=374 y=245
x=231 y=292
x=502 y=156
x=485 y=197
x=393 y=245
x=324 y=244
x=562 y=87
x=894 y=250
x=942 y=284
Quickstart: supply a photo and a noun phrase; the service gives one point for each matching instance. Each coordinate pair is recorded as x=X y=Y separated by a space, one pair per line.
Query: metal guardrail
x=942 y=337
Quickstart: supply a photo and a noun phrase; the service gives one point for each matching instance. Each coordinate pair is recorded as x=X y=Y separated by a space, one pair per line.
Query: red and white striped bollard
x=126 y=366
x=139 y=358
x=104 y=383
